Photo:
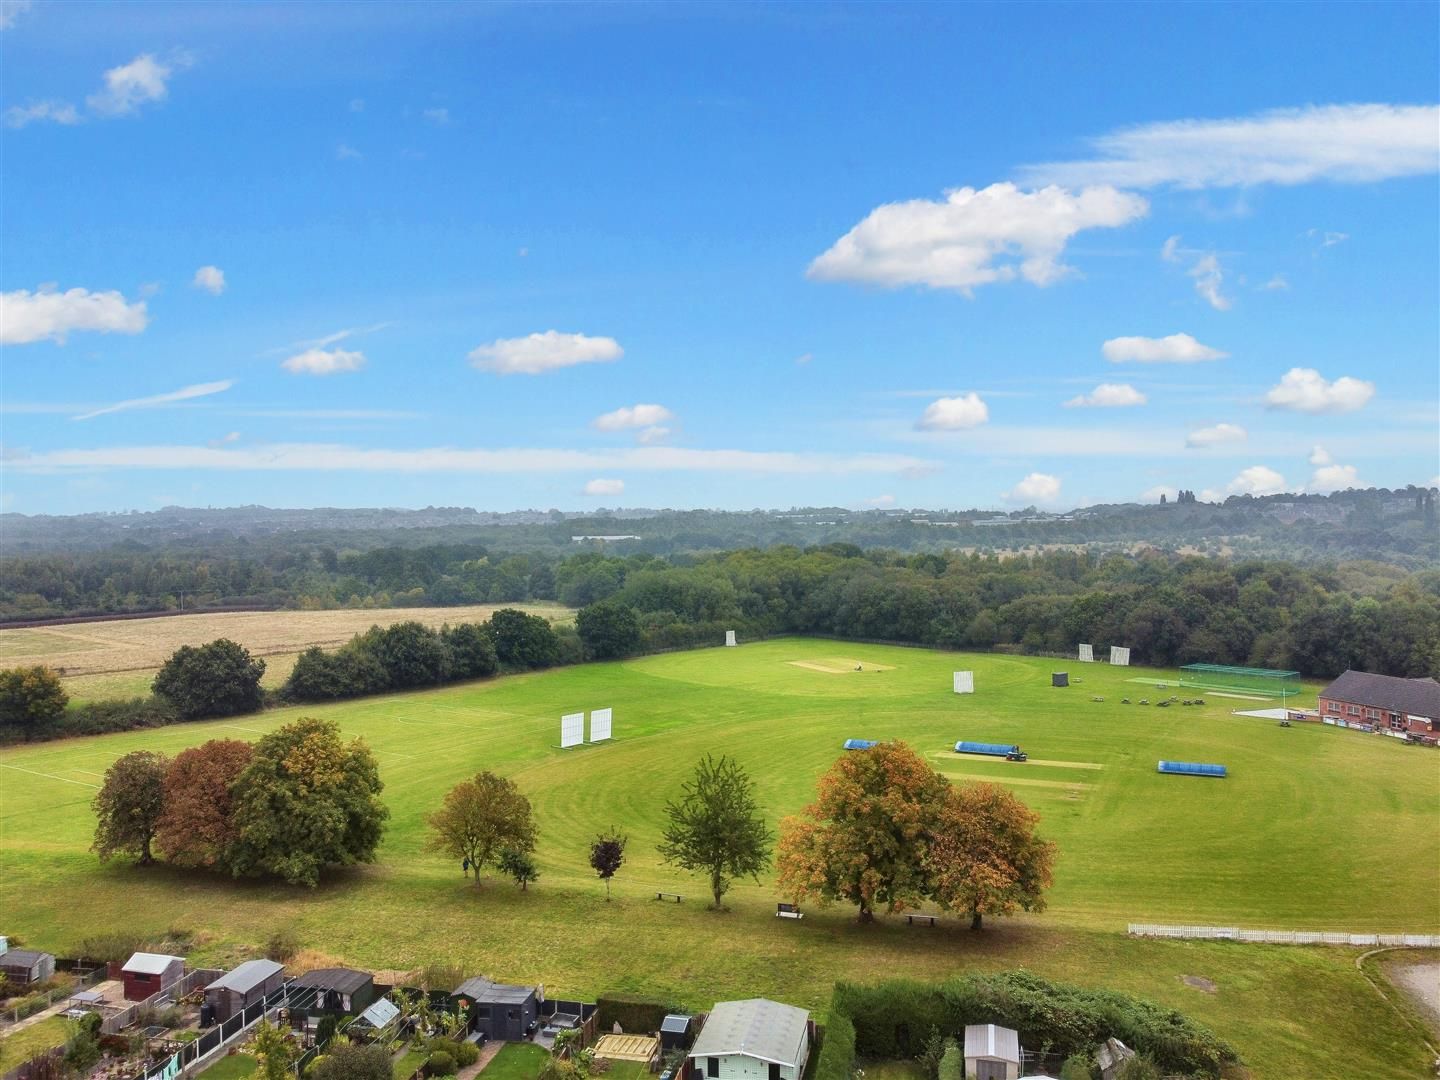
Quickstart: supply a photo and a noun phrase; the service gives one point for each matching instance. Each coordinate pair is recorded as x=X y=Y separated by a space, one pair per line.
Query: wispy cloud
x=127 y=88
x=536 y=354
x=328 y=340
x=324 y=362
x=1360 y=143
x=11 y=10
x=185 y=393
x=27 y=317
x=438 y=117
x=1209 y=281
x=53 y=112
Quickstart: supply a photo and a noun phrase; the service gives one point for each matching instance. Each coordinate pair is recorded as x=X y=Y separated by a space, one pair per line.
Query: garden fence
x=34 y=1003
x=192 y=980
x=1285 y=937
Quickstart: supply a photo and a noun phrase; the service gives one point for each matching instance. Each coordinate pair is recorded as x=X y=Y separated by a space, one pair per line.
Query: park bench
x=788 y=911
x=916 y=920
x=669 y=896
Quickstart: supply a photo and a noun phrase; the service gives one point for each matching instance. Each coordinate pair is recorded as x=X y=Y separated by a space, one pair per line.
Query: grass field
x=1314 y=829
x=119 y=658
x=21 y=1046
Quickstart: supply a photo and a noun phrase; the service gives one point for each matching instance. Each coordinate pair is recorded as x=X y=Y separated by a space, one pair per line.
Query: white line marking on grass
x=238 y=727
x=50 y=776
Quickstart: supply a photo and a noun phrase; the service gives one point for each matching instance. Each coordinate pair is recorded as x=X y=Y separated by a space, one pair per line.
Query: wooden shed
x=241 y=987
x=992 y=1052
x=498 y=1010
x=25 y=966
x=147 y=973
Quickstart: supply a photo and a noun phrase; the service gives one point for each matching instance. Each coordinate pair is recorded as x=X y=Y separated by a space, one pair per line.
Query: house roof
x=756 y=1027
x=480 y=989
x=21 y=958
x=992 y=1041
x=247 y=976
x=380 y=1013
x=1415 y=697
x=149 y=963
x=343 y=980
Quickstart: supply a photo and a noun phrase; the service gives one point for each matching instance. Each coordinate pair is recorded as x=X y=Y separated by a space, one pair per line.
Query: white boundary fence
x=1285 y=937
x=187 y=983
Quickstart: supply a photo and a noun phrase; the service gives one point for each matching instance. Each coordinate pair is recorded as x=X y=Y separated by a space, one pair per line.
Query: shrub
x=105 y=717
x=466 y=1054
x=632 y=1014
x=282 y=947
x=952 y=1062
x=929 y=1057
x=441 y=976
x=440 y=1063
x=1077 y=1067
x=1140 y=1067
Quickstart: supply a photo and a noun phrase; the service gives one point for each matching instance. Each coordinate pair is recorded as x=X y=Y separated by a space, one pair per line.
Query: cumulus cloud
x=209 y=278
x=1306 y=390
x=973 y=237
x=1216 y=434
x=132 y=85
x=1035 y=488
x=324 y=362
x=1209 y=279
x=1108 y=396
x=954 y=413
x=633 y=416
x=54 y=112
x=539 y=353
x=185 y=393
x=1172 y=349
x=1320 y=456
x=1256 y=480
x=1352 y=144
x=604 y=487
x=27 y=317
x=1330 y=478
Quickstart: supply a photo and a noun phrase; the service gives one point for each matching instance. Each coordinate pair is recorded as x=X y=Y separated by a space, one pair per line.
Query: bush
x=634 y=1015
x=952 y=1062
x=105 y=717
x=282 y=946
x=1077 y=1067
x=466 y=1054
x=440 y=1063
x=837 y=1050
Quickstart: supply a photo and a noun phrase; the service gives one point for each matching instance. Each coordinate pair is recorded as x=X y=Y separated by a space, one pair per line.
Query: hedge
x=634 y=1015
x=837 y=1049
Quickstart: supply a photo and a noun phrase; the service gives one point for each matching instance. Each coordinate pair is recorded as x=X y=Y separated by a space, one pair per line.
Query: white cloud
x=224 y=440
x=1171 y=349
x=1256 y=480
x=185 y=393
x=973 y=237
x=1035 y=488
x=209 y=278
x=1338 y=143
x=1330 y=478
x=604 y=487
x=346 y=152
x=1326 y=238
x=633 y=416
x=132 y=85
x=881 y=502
x=11 y=10
x=1275 y=284
x=328 y=339
x=954 y=413
x=1153 y=494
x=1216 y=434
x=324 y=362
x=26 y=317
x=1169 y=249
x=652 y=435
x=804 y=358
x=1108 y=396
x=55 y=112
x=1306 y=390
x=1209 y=277
x=438 y=117
x=1320 y=456
x=538 y=353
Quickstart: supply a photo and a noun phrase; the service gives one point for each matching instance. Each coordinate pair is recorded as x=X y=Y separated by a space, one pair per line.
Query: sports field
x=1314 y=829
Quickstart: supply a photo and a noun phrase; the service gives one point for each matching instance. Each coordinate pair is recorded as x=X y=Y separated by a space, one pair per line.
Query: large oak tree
x=197 y=826
x=128 y=806
x=985 y=858
x=218 y=679
x=481 y=819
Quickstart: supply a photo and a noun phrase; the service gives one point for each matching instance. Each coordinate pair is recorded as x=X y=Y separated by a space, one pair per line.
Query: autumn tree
x=985 y=858
x=607 y=855
x=218 y=679
x=716 y=827
x=128 y=806
x=31 y=699
x=196 y=826
x=306 y=801
x=481 y=818
x=520 y=867
x=865 y=839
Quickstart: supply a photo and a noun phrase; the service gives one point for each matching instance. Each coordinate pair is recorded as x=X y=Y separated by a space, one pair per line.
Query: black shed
x=675 y=1031
x=498 y=1011
x=336 y=990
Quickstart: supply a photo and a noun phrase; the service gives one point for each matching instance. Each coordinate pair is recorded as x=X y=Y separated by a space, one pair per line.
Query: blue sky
x=715 y=255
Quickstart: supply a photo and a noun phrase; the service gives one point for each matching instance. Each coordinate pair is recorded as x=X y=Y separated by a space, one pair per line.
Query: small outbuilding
x=242 y=987
x=1111 y=1058
x=992 y=1052
x=497 y=1010
x=147 y=973
x=344 y=991
x=675 y=1032
x=26 y=966
x=375 y=1021
x=1059 y=678
x=755 y=1039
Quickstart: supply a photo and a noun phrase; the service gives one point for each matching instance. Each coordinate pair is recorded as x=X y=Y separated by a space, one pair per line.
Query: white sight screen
x=1119 y=657
x=600 y=725
x=964 y=682
x=730 y=637
x=1087 y=653
x=572 y=729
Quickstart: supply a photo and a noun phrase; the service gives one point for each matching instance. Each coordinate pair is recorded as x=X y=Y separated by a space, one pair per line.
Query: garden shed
x=992 y=1052
x=754 y=1039
x=675 y=1031
x=336 y=990
x=497 y=1010
x=25 y=966
x=241 y=987
x=148 y=973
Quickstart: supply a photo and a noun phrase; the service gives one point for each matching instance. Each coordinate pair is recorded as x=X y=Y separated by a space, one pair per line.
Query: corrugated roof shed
x=1416 y=697
x=247 y=976
x=345 y=980
x=149 y=963
x=992 y=1041
x=755 y=1027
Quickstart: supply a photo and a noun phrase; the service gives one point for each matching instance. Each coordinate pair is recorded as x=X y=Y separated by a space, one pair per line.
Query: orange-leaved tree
x=865 y=840
x=985 y=858
x=197 y=827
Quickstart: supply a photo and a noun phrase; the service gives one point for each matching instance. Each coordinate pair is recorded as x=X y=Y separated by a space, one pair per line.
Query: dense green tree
x=410 y=653
x=716 y=827
x=128 y=806
x=31 y=699
x=218 y=679
x=609 y=630
x=471 y=651
x=523 y=641
x=480 y=819
x=305 y=802
x=520 y=867
x=352 y=1061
